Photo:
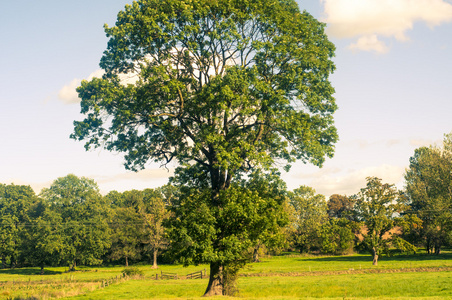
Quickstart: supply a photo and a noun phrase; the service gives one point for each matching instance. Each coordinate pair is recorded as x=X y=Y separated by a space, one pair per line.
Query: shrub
x=131 y=271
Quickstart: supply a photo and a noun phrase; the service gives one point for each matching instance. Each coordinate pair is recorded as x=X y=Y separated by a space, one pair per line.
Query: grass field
x=281 y=277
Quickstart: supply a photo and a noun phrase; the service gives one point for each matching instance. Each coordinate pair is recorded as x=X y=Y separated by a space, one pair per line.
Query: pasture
x=419 y=276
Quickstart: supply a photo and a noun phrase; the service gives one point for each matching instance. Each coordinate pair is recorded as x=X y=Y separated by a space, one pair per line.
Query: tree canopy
x=429 y=186
x=378 y=207
x=221 y=87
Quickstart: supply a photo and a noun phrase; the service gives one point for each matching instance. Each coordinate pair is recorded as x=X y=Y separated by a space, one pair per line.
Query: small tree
x=309 y=215
x=154 y=213
x=378 y=207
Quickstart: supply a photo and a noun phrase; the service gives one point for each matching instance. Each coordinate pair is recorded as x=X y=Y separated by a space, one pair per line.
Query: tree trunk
x=127 y=261
x=256 y=255
x=3 y=262
x=215 y=286
x=429 y=245
x=375 y=257
x=72 y=266
x=437 y=246
x=154 y=265
x=42 y=269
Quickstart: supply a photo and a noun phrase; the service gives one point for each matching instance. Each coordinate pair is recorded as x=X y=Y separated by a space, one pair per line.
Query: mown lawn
x=281 y=277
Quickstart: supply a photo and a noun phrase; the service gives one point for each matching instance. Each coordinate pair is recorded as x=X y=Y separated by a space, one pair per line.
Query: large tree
x=221 y=87
x=429 y=186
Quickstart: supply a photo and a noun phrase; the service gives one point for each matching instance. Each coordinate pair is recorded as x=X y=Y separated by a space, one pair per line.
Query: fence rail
x=197 y=275
x=166 y=275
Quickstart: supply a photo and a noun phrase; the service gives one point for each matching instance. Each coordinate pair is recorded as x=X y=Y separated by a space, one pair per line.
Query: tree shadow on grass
x=28 y=271
x=392 y=257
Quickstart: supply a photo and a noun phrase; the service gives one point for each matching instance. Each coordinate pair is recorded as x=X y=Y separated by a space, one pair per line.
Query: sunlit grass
x=278 y=278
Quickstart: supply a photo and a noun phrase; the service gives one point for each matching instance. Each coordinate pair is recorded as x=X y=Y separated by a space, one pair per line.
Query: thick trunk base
x=215 y=285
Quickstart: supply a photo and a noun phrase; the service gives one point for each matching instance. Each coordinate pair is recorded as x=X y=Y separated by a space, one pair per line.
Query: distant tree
x=310 y=213
x=378 y=207
x=138 y=222
x=340 y=206
x=15 y=200
x=43 y=237
x=127 y=234
x=429 y=187
x=84 y=216
x=337 y=236
x=154 y=213
x=222 y=87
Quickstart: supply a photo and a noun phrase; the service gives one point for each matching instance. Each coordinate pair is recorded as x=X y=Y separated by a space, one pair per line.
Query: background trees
x=84 y=218
x=377 y=206
x=15 y=200
x=222 y=87
x=429 y=186
x=309 y=215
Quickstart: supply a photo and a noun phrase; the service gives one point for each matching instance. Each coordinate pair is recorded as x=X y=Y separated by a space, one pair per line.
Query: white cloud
x=148 y=178
x=349 y=182
x=369 y=19
x=68 y=93
x=370 y=43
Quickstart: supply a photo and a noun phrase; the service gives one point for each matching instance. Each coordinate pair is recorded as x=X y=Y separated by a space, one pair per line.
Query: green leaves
x=245 y=214
x=429 y=187
x=378 y=206
x=222 y=83
x=222 y=88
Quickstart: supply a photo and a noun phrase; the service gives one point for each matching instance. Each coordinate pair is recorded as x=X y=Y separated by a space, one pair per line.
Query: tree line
x=71 y=223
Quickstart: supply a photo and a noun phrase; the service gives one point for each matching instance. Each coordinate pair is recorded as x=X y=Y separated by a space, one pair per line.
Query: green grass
x=278 y=278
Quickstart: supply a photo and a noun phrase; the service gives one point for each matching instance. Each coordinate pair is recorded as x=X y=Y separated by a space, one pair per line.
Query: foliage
x=132 y=271
x=309 y=215
x=221 y=87
x=43 y=238
x=377 y=206
x=83 y=214
x=15 y=200
x=337 y=236
x=340 y=206
x=127 y=234
x=249 y=212
x=138 y=222
x=429 y=187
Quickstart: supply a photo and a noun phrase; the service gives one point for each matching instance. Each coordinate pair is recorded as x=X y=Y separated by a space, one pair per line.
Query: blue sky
x=393 y=87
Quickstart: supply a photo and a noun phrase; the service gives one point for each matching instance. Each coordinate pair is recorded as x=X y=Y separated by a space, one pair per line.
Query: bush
x=131 y=271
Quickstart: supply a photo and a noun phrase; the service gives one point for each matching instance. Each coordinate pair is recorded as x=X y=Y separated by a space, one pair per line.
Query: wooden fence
x=197 y=275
